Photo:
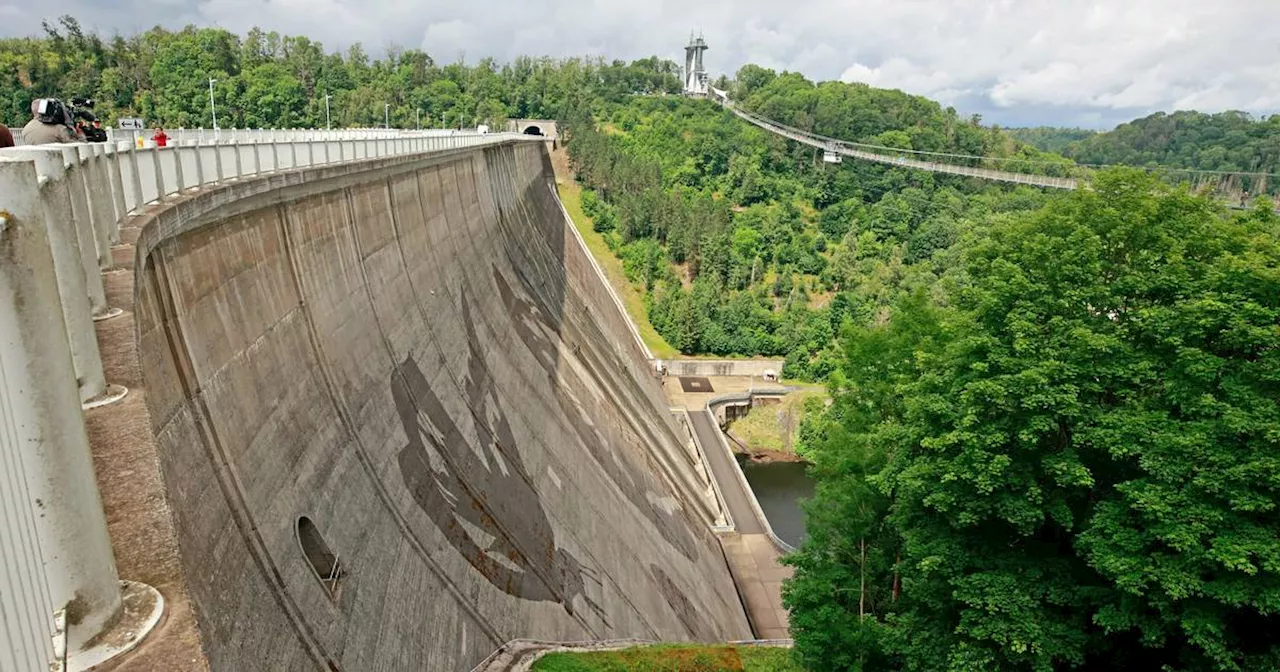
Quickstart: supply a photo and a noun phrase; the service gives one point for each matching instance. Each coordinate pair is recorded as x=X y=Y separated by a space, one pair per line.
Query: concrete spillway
x=401 y=421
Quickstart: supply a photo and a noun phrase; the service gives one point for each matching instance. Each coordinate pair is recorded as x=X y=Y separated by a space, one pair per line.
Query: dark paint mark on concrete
x=485 y=485
x=539 y=335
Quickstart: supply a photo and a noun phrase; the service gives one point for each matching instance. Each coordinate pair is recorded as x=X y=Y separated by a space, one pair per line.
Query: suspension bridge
x=1226 y=184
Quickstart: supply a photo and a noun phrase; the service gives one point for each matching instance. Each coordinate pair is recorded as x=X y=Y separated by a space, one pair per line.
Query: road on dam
x=752 y=555
x=401 y=421
x=722 y=469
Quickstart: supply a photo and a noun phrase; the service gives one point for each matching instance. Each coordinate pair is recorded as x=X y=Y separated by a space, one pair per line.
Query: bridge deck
x=932 y=166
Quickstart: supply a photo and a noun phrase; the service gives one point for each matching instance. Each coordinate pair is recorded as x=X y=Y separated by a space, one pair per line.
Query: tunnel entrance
x=533 y=130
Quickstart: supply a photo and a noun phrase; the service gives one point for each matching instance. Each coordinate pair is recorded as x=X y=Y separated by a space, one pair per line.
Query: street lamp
x=386 y=113
x=417 y=119
x=328 y=124
x=213 y=107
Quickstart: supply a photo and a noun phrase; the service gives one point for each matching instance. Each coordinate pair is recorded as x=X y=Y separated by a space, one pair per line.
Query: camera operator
x=87 y=125
x=49 y=123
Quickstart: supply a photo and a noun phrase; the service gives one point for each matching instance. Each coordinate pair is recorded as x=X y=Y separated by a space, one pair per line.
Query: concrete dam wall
x=402 y=421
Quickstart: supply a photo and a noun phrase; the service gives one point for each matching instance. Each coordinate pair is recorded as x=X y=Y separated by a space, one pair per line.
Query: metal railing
x=844 y=149
x=61 y=211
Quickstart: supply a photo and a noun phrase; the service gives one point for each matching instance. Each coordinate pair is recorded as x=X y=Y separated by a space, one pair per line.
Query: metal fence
x=61 y=210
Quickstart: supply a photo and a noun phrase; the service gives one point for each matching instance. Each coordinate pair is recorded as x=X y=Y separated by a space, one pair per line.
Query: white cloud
x=1044 y=61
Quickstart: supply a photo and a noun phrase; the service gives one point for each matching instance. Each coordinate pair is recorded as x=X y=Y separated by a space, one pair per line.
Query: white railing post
x=47 y=428
x=76 y=190
x=137 y=177
x=155 y=161
x=92 y=207
x=235 y=147
x=93 y=225
x=217 y=161
x=199 y=154
x=116 y=171
x=177 y=170
x=101 y=199
x=73 y=271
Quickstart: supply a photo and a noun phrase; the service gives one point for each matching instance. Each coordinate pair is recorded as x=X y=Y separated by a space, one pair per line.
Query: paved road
x=723 y=470
x=752 y=557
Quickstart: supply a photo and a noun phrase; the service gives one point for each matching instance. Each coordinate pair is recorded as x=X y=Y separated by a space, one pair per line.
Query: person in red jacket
x=160 y=138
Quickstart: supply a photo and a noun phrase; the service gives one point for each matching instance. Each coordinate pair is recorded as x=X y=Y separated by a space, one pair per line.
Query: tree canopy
x=748 y=244
x=1226 y=142
x=265 y=79
x=1064 y=458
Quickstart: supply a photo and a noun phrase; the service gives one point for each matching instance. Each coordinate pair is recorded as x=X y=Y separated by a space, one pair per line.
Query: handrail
x=842 y=148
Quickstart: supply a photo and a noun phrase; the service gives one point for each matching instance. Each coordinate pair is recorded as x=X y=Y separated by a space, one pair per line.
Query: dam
x=399 y=418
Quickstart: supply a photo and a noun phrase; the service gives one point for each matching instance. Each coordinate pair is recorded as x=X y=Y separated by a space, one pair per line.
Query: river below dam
x=779 y=487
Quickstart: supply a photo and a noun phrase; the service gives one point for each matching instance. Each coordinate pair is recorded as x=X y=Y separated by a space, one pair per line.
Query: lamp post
x=213 y=107
x=328 y=124
x=417 y=119
x=386 y=113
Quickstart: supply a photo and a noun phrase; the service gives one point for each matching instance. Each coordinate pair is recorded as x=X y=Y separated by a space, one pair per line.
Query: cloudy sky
x=1091 y=63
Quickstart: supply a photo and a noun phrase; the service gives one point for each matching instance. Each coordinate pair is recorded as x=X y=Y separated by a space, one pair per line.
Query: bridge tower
x=695 y=75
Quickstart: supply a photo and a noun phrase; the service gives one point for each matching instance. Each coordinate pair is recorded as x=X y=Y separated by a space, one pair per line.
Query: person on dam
x=48 y=123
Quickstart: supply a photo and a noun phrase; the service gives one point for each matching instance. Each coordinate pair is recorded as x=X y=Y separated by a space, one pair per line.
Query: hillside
x=1050 y=138
x=1227 y=141
x=746 y=244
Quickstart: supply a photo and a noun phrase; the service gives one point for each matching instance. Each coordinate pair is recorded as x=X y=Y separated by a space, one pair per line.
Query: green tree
x=1079 y=452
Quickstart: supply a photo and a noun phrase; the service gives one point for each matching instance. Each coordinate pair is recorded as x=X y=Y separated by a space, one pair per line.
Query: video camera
x=75 y=115
x=78 y=111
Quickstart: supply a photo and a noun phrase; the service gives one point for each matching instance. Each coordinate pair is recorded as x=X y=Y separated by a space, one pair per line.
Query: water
x=779 y=487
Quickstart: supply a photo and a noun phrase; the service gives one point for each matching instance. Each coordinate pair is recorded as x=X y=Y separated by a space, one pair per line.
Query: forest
x=749 y=245
x=1052 y=440
x=1231 y=142
x=1050 y=139
x=268 y=80
x=1226 y=141
x=1060 y=456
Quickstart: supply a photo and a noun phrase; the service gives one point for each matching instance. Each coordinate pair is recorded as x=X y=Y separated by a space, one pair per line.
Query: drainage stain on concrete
x=507 y=534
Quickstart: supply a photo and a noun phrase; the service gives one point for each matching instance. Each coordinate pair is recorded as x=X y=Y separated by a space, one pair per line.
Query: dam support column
x=79 y=282
x=43 y=439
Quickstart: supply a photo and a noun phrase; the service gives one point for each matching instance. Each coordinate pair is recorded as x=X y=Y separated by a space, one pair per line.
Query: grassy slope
x=673 y=658
x=631 y=296
x=767 y=427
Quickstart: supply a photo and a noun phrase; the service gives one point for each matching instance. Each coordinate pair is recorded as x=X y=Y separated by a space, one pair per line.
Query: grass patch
x=775 y=427
x=673 y=658
x=632 y=297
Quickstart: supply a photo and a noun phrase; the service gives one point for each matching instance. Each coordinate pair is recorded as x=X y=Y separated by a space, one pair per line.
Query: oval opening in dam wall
x=323 y=561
